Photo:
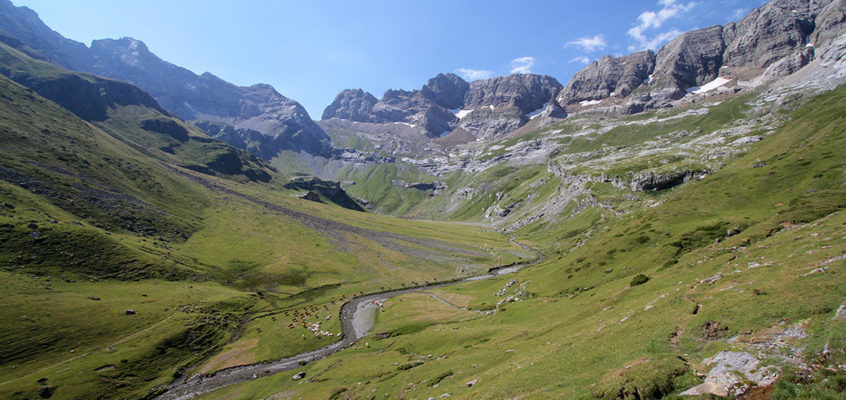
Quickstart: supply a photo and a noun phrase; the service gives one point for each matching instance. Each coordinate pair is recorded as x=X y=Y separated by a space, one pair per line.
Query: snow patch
x=463 y=113
x=718 y=82
x=537 y=112
x=406 y=124
x=590 y=103
x=491 y=106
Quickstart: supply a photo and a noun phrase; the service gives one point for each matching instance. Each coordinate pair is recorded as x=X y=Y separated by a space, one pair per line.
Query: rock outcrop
x=772 y=41
x=446 y=90
x=329 y=189
x=351 y=104
x=492 y=107
x=609 y=77
x=527 y=92
x=692 y=59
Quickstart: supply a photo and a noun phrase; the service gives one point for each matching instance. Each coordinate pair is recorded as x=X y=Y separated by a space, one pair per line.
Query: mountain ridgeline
x=772 y=41
x=665 y=224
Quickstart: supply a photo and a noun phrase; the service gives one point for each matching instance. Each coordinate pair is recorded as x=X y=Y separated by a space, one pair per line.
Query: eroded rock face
x=485 y=123
x=692 y=59
x=351 y=104
x=829 y=22
x=412 y=107
x=446 y=90
x=609 y=76
x=767 y=34
x=527 y=92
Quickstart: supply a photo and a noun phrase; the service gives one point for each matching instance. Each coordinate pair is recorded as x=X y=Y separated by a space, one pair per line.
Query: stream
x=358 y=317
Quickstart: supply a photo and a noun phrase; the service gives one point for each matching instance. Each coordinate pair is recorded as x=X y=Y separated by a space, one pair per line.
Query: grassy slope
x=95 y=210
x=583 y=332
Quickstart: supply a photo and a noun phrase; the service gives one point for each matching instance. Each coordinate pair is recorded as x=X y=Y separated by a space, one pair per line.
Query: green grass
x=209 y=261
x=583 y=331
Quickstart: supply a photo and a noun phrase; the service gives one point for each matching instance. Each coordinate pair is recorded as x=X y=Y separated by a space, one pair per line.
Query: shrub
x=639 y=279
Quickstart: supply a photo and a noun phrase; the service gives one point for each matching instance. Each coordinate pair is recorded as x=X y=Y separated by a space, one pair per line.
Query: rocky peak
x=446 y=90
x=767 y=34
x=351 y=104
x=692 y=59
x=24 y=24
x=609 y=76
x=527 y=92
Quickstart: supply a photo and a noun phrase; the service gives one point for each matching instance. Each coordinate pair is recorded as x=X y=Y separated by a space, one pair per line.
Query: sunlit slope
x=97 y=219
x=749 y=259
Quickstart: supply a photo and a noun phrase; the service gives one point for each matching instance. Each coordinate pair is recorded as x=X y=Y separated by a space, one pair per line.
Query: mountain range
x=772 y=41
x=666 y=224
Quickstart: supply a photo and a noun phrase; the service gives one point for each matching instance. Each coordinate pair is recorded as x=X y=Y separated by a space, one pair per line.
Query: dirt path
x=357 y=319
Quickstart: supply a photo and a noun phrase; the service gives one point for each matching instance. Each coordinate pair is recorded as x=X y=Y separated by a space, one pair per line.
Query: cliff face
x=491 y=107
x=609 y=76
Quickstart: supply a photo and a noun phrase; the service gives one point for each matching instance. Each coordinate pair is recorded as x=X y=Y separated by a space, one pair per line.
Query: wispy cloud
x=738 y=14
x=522 y=65
x=588 y=43
x=580 y=60
x=474 y=74
x=654 y=20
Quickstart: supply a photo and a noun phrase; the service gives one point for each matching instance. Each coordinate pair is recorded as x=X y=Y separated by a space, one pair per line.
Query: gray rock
x=412 y=107
x=652 y=181
x=768 y=33
x=552 y=113
x=446 y=90
x=527 y=92
x=732 y=374
x=829 y=23
x=298 y=376
x=351 y=104
x=692 y=59
x=484 y=123
x=617 y=76
x=788 y=65
x=129 y=311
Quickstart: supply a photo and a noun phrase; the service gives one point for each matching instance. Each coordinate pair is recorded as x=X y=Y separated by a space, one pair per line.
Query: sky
x=311 y=50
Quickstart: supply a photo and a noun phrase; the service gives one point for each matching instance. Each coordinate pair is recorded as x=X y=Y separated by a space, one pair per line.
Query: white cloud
x=474 y=74
x=581 y=60
x=738 y=14
x=652 y=20
x=588 y=43
x=522 y=65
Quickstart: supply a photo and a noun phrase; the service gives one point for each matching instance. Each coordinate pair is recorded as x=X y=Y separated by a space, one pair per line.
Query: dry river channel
x=358 y=317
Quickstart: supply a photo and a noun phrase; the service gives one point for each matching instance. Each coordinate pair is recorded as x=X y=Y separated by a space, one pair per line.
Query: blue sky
x=311 y=50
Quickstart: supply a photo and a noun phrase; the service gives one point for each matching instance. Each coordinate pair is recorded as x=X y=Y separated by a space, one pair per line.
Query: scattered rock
x=734 y=374
x=712 y=279
x=473 y=382
x=841 y=313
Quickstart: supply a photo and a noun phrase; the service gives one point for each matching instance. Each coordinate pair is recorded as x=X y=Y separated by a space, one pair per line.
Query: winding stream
x=358 y=317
